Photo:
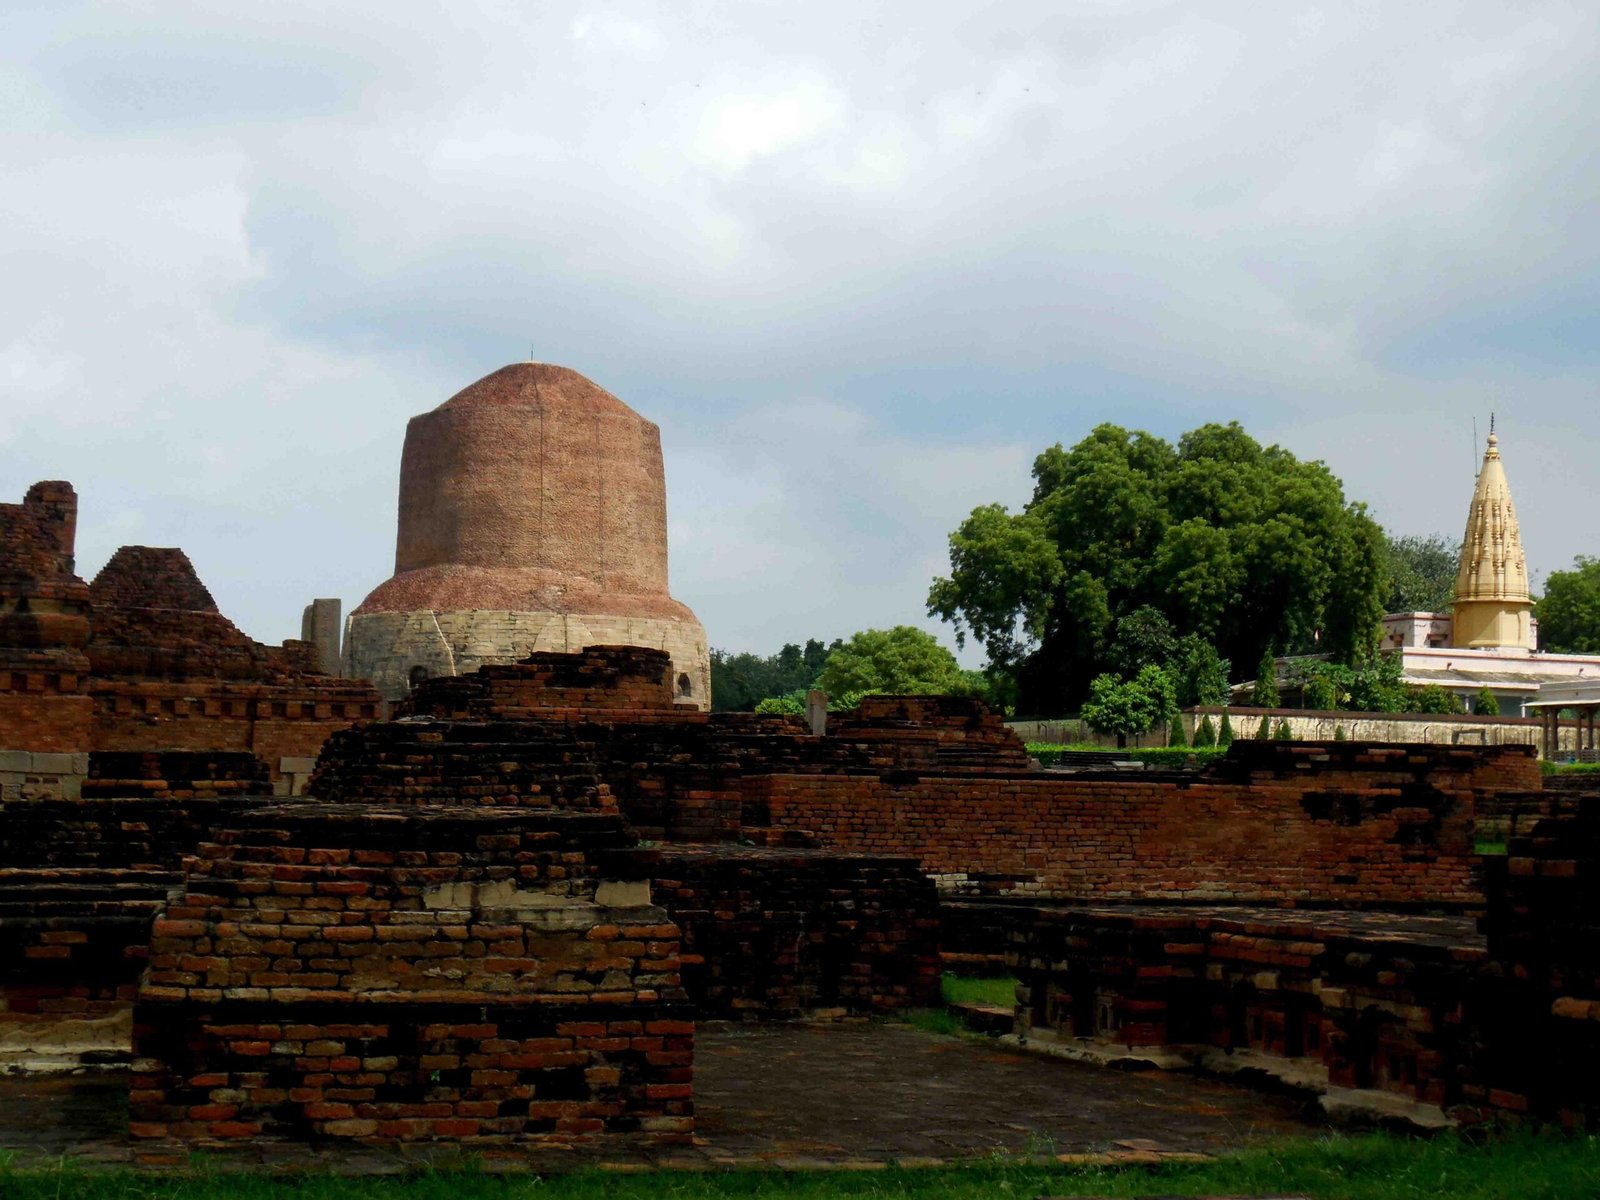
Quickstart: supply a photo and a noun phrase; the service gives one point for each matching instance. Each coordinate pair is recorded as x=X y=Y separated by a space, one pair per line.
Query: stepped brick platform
x=383 y=974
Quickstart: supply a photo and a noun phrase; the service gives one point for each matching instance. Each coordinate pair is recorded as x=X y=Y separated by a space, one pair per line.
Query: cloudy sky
x=860 y=262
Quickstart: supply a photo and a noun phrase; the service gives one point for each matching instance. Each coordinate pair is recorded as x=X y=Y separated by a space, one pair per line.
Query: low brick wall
x=1347 y=826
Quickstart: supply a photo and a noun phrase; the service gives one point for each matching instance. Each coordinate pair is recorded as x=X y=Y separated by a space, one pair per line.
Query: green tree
x=1225 y=731
x=1265 y=693
x=903 y=661
x=1127 y=708
x=1569 y=612
x=740 y=681
x=1241 y=546
x=1320 y=692
x=1434 y=699
x=1206 y=734
x=1264 y=730
x=1175 y=733
x=793 y=704
x=1422 y=573
x=1377 y=686
x=1485 y=705
x=1283 y=733
x=1339 y=734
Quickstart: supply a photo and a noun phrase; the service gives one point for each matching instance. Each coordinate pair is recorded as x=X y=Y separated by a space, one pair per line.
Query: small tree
x=1339 y=734
x=1225 y=734
x=1264 y=730
x=1206 y=734
x=1321 y=693
x=1265 y=693
x=1176 y=735
x=1283 y=733
x=1485 y=705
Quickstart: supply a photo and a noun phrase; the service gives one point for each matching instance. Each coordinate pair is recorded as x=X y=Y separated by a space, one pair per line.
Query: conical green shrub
x=1206 y=735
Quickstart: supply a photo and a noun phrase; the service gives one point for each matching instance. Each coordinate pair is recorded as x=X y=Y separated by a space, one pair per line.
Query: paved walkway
x=791 y=1095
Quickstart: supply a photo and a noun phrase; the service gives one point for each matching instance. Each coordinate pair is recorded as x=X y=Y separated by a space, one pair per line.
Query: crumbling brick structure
x=378 y=973
x=170 y=672
x=44 y=623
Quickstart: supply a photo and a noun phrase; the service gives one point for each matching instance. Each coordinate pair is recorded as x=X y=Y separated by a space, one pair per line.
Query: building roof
x=1493 y=566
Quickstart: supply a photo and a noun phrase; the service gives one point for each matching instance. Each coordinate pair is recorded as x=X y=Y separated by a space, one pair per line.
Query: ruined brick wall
x=780 y=932
x=1358 y=826
x=408 y=974
x=44 y=707
x=1322 y=1000
x=171 y=673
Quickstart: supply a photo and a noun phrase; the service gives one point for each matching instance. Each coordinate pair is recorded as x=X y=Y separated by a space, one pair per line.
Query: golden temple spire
x=1493 y=603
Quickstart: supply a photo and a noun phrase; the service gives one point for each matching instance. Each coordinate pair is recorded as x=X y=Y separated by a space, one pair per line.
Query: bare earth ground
x=789 y=1095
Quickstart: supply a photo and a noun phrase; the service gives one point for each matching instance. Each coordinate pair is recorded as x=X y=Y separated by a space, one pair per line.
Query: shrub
x=1264 y=730
x=1225 y=734
x=1206 y=735
x=1176 y=737
x=1283 y=733
x=1485 y=704
x=1265 y=694
x=1339 y=734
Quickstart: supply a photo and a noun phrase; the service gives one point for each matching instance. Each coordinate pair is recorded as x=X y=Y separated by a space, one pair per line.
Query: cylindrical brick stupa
x=533 y=516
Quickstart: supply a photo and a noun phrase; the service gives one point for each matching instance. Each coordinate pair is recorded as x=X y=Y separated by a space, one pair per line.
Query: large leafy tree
x=1422 y=573
x=1243 y=547
x=1569 y=611
x=899 y=661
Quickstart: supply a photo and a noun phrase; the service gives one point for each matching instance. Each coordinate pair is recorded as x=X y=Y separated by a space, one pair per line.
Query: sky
x=860 y=261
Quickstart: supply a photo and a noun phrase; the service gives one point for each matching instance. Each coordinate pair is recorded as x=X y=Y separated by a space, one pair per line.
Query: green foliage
x=1485 y=705
x=1339 y=734
x=1434 y=699
x=1283 y=733
x=1265 y=693
x=1422 y=573
x=1128 y=707
x=1206 y=735
x=1377 y=687
x=1321 y=692
x=1240 y=546
x=1569 y=612
x=903 y=661
x=1175 y=733
x=740 y=681
x=1264 y=730
x=1225 y=733
x=793 y=704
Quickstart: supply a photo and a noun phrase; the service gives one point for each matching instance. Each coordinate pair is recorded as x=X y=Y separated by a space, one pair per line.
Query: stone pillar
x=320 y=625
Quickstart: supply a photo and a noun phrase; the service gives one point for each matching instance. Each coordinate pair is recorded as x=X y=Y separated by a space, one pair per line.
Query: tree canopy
x=899 y=661
x=1240 y=546
x=741 y=681
x=1422 y=573
x=1569 y=611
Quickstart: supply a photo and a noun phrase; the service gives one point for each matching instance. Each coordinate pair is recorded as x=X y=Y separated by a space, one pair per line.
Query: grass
x=1049 y=753
x=959 y=990
x=1372 y=1167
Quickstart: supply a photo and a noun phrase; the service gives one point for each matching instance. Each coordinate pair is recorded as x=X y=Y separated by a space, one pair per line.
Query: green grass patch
x=1050 y=754
x=1492 y=849
x=1374 y=1167
x=959 y=990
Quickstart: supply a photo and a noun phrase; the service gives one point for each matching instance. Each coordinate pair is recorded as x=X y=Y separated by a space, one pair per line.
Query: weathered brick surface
x=1325 y=824
x=778 y=932
x=1370 y=1001
x=399 y=974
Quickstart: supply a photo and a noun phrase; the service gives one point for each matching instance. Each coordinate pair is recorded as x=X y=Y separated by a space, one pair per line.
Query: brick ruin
x=496 y=915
